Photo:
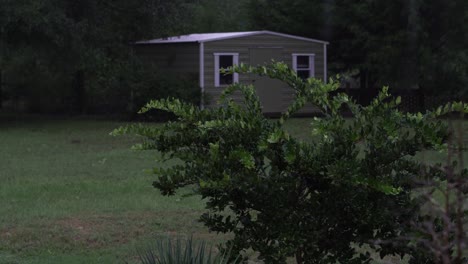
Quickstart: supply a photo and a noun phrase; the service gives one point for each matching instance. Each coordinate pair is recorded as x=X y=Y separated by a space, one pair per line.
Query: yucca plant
x=184 y=251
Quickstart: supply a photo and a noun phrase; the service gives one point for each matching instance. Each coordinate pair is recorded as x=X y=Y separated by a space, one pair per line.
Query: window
x=304 y=65
x=223 y=61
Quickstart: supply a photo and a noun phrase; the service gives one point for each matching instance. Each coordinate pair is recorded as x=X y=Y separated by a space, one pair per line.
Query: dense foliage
x=318 y=200
x=74 y=56
x=406 y=44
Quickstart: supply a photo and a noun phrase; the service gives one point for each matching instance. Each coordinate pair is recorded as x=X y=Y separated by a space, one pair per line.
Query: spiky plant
x=166 y=250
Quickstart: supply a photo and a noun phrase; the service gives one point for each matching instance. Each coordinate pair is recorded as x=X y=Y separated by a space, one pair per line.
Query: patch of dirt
x=104 y=230
x=6 y=233
x=18 y=239
x=99 y=231
x=75 y=141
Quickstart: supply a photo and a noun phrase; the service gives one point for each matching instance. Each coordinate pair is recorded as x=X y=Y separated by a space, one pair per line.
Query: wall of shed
x=286 y=46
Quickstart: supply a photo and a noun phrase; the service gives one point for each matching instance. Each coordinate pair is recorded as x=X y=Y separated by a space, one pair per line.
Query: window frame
x=311 y=67
x=235 y=61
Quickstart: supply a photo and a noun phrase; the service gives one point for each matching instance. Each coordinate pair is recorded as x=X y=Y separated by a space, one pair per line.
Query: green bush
x=318 y=200
x=149 y=81
x=125 y=87
x=182 y=251
x=112 y=86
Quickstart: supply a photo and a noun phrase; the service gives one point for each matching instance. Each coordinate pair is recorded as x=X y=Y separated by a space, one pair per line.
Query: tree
x=404 y=44
x=220 y=16
x=315 y=200
x=62 y=52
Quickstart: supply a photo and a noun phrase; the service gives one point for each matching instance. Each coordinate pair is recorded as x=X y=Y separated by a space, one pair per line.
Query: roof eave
x=266 y=32
x=168 y=42
x=251 y=33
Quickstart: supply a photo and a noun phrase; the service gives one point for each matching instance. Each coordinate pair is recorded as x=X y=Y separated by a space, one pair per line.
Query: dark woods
x=62 y=56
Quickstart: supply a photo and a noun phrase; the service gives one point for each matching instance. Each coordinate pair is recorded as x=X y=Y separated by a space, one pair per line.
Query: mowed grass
x=70 y=193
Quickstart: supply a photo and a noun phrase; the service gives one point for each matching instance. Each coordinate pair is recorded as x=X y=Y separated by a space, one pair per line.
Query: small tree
x=317 y=200
x=442 y=229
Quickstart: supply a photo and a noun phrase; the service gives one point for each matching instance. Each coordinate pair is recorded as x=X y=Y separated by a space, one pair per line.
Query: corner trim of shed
x=325 y=68
x=202 y=75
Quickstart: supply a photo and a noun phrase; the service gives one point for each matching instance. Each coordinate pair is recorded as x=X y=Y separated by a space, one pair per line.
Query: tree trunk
x=299 y=253
x=79 y=92
x=1 y=89
x=364 y=93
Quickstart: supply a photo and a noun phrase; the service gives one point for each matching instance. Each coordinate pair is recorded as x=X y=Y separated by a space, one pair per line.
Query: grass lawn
x=70 y=193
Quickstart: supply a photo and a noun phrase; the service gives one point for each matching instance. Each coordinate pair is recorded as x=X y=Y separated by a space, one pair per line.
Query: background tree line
x=75 y=56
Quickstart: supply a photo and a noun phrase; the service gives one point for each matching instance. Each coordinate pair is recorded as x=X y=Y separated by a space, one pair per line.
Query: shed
x=203 y=55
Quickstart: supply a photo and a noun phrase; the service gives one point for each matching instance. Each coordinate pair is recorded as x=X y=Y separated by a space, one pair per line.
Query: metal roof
x=207 y=37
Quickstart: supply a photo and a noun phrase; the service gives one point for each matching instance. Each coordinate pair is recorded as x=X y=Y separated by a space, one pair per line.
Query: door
x=269 y=91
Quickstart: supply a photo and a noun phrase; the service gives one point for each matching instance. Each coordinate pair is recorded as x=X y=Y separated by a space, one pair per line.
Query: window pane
x=302 y=62
x=225 y=61
x=225 y=79
x=303 y=74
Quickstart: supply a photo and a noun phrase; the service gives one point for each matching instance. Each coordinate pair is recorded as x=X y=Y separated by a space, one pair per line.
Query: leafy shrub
x=182 y=251
x=127 y=86
x=317 y=200
x=151 y=82
x=444 y=219
x=113 y=86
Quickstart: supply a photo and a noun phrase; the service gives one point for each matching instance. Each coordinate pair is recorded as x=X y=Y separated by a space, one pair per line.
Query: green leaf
x=248 y=161
x=398 y=100
x=275 y=137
